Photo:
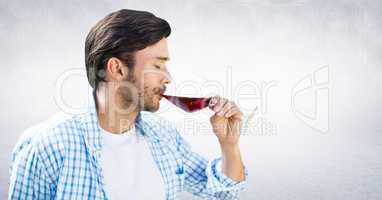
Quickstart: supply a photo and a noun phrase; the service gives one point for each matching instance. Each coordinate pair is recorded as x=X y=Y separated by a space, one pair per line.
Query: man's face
x=150 y=75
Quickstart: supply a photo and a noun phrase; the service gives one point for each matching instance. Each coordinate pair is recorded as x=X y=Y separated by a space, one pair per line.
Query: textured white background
x=270 y=40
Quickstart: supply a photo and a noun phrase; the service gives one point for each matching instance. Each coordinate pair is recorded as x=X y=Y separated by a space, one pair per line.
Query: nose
x=167 y=77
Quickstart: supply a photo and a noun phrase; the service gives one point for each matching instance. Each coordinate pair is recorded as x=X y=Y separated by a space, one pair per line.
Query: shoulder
x=48 y=138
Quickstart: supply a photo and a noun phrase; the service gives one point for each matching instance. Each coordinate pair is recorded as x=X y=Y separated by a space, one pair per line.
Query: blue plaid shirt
x=59 y=159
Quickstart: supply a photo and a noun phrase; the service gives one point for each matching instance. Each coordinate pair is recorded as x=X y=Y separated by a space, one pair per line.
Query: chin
x=152 y=108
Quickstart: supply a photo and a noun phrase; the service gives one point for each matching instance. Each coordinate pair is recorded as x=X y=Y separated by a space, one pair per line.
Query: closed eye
x=157 y=66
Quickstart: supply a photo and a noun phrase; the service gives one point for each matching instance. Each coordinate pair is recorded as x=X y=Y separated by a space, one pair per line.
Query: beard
x=151 y=98
x=146 y=99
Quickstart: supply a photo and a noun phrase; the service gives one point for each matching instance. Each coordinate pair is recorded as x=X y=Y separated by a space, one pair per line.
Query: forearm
x=232 y=164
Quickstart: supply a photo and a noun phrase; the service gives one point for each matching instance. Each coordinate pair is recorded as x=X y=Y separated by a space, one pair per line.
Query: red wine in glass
x=188 y=104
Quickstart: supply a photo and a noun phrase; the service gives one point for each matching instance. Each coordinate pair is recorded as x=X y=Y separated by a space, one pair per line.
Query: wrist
x=229 y=149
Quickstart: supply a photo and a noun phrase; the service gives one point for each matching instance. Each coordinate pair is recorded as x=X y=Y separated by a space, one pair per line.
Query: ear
x=116 y=70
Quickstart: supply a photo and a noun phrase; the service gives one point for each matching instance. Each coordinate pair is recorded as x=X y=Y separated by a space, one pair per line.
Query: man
x=118 y=148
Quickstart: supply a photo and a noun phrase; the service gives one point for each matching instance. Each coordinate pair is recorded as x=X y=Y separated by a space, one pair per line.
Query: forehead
x=158 y=51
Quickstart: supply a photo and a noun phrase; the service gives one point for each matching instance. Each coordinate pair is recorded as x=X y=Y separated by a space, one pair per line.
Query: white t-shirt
x=128 y=167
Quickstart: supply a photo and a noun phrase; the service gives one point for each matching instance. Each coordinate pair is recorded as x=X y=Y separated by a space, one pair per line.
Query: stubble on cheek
x=148 y=99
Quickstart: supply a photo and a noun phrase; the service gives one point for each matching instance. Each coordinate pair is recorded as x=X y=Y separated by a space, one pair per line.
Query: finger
x=222 y=102
x=216 y=118
x=219 y=105
x=213 y=101
x=232 y=109
x=233 y=112
x=235 y=128
x=225 y=109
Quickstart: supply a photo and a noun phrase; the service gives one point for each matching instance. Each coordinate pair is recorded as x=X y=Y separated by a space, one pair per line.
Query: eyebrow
x=163 y=58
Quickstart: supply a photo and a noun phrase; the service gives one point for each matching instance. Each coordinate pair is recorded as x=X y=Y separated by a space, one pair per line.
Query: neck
x=114 y=115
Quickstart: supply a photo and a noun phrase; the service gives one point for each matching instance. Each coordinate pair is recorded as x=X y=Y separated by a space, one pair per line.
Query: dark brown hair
x=120 y=34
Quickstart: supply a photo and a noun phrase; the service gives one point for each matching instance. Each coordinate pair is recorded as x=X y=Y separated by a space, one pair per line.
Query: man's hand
x=226 y=124
x=227 y=121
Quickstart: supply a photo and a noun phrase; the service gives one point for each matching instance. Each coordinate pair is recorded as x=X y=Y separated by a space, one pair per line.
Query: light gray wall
x=336 y=155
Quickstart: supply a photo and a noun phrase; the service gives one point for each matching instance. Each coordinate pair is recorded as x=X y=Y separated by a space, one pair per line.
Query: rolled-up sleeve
x=204 y=178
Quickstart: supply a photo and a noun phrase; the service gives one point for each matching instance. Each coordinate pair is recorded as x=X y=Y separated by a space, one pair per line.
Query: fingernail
x=213 y=101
